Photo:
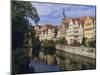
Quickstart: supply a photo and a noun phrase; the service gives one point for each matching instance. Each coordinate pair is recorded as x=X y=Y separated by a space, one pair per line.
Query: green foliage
x=24 y=9
x=49 y=47
x=21 y=12
x=36 y=46
x=62 y=40
x=19 y=61
x=83 y=41
x=92 y=43
x=62 y=57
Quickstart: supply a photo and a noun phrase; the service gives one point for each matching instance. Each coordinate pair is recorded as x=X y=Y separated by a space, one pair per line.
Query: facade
x=43 y=35
x=63 y=27
x=73 y=29
x=89 y=28
x=47 y=32
x=69 y=32
x=51 y=33
x=77 y=28
x=58 y=34
x=37 y=29
x=80 y=33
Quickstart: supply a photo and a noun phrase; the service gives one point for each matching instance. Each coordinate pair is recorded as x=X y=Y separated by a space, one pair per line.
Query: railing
x=83 y=51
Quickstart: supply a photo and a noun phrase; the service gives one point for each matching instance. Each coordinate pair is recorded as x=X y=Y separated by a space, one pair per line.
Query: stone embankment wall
x=82 y=51
x=71 y=59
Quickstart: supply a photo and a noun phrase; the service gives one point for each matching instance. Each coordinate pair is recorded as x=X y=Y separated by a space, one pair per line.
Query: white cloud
x=51 y=13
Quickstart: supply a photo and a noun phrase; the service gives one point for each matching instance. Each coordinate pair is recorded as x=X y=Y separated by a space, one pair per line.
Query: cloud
x=43 y=9
x=52 y=13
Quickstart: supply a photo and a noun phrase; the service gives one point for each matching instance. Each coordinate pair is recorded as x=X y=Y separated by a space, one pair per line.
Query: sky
x=52 y=13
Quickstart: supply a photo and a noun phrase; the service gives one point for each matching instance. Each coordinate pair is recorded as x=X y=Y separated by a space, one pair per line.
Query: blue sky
x=52 y=13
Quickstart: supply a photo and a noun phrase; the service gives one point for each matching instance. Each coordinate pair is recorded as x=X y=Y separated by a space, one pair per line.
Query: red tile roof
x=80 y=20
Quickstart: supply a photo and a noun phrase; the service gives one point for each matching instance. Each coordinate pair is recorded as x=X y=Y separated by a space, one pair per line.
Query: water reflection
x=40 y=66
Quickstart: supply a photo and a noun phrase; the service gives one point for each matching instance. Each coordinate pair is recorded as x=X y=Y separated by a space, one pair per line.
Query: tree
x=36 y=46
x=21 y=12
x=62 y=40
x=84 y=41
x=49 y=47
x=92 y=43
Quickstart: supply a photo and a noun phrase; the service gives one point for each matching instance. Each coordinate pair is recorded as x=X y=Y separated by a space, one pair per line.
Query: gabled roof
x=93 y=18
x=80 y=20
x=76 y=19
x=65 y=20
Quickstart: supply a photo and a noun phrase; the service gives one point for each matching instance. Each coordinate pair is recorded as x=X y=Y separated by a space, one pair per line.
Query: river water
x=39 y=66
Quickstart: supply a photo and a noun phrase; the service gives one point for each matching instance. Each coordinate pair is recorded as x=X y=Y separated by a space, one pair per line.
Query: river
x=40 y=66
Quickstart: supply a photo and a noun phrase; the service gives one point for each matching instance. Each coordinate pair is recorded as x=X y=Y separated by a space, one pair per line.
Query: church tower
x=63 y=15
x=63 y=25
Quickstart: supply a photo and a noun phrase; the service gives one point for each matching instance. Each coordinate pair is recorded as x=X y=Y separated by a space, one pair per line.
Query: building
x=37 y=29
x=73 y=29
x=47 y=32
x=80 y=33
x=77 y=28
x=70 y=32
x=64 y=25
x=89 y=28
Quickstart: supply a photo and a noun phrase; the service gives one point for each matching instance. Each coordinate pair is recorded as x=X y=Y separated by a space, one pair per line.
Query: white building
x=47 y=32
x=51 y=33
x=80 y=33
x=70 y=32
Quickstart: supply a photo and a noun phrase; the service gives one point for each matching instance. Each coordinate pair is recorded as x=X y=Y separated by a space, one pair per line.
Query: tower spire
x=64 y=16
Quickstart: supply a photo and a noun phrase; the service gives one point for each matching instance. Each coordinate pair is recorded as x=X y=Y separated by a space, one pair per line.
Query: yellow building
x=89 y=28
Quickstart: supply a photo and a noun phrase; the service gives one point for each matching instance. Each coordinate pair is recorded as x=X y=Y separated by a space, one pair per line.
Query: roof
x=48 y=26
x=65 y=20
x=80 y=20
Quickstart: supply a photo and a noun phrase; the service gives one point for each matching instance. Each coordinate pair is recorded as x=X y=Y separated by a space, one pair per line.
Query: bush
x=36 y=46
x=76 y=43
x=62 y=40
x=62 y=57
x=49 y=47
x=92 y=43
x=84 y=41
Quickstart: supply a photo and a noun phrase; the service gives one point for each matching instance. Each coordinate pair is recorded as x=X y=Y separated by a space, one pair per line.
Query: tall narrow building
x=64 y=25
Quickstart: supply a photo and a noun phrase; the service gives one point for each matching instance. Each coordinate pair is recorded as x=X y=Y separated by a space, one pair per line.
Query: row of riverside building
x=73 y=29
